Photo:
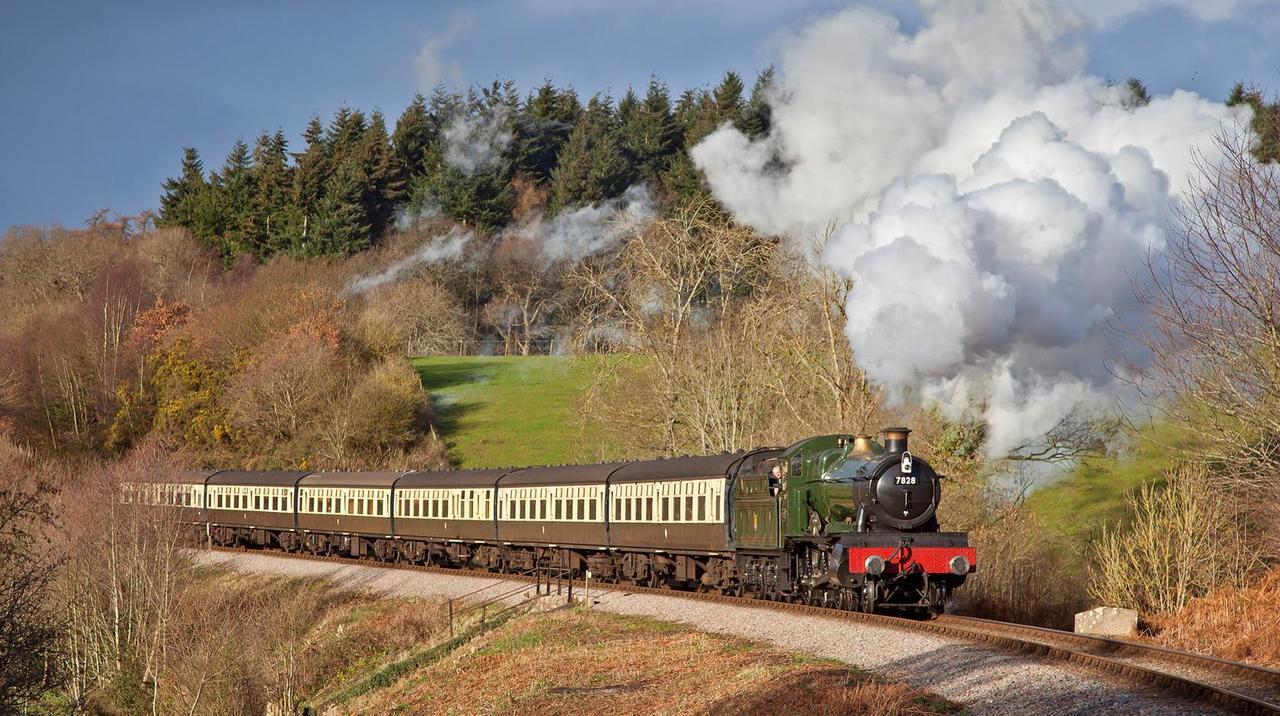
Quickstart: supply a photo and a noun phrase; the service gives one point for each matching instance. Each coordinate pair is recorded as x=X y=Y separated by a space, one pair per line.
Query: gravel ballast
x=987 y=680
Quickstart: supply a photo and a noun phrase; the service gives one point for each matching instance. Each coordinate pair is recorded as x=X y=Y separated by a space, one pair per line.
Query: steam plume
x=993 y=201
x=474 y=144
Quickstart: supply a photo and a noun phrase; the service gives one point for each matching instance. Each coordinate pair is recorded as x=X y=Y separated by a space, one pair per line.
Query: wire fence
x=496 y=346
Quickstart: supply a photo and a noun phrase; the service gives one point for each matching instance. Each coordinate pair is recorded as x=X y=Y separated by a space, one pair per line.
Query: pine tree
x=627 y=107
x=340 y=226
x=415 y=133
x=728 y=99
x=684 y=179
x=309 y=178
x=757 y=115
x=178 y=190
x=650 y=135
x=235 y=183
x=383 y=188
x=266 y=228
x=542 y=128
x=688 y=108
x=591 y=167
x=345 y=134
x=192 y=202
x=1265 y=123
x=1138 y=94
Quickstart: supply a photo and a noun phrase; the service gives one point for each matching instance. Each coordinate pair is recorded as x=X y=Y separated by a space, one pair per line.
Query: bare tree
x=1214 y=343
x=668 y=282
x=527 y=290
x=27 y=628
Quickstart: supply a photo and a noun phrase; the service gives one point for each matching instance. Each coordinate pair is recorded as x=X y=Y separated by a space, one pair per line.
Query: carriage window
x=626 y=512
x=665 y=503
x=688 y=509
x=257 y=502
x=581 y=512
x=702 y=508
x=592 y=503
x=648 y=509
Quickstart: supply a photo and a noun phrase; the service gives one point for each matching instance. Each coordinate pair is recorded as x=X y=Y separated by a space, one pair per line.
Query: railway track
x=1224 y=684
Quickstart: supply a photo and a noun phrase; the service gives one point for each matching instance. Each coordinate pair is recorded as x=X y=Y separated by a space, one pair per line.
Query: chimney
x=895 y=439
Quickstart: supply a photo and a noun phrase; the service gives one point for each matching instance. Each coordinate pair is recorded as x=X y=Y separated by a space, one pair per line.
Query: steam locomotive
x=836 y=520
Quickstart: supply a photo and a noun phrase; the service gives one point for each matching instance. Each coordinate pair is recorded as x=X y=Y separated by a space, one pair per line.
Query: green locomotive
x=844 y=521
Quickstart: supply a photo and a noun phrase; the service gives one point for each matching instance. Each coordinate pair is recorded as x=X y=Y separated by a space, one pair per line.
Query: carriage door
x=756 y=507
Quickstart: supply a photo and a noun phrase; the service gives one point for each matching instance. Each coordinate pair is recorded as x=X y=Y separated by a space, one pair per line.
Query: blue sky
x=100 y=98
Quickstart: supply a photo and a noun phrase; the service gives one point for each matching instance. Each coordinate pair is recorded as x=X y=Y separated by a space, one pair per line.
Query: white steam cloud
x=576 y=234
x=434 y=250
x=475 y=144
x=995 y=201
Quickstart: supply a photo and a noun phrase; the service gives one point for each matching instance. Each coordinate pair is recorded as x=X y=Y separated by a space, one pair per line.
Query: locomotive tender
x=835 y=520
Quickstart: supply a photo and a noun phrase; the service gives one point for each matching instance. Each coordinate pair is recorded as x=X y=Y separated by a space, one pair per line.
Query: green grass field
x=495 y=411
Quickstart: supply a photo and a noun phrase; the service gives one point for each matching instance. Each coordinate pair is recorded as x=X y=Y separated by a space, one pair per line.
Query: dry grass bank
x=571 y=661
x=1233 y=623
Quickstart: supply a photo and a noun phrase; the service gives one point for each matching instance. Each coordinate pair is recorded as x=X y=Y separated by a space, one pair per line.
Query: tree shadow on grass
x=441 y=377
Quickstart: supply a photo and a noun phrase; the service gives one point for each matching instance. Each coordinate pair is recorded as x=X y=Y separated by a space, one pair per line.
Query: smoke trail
x=590 y=230
x=994 y=200
x=435 y=249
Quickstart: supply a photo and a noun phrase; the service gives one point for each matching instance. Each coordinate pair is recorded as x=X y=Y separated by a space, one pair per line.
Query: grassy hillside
x=1094 y=493
x=496 y=411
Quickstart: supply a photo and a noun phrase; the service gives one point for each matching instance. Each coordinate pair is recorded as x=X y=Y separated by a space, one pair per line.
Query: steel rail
x=1110 y=656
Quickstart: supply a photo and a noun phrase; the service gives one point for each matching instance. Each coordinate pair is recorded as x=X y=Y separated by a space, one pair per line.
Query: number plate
x=904 y=480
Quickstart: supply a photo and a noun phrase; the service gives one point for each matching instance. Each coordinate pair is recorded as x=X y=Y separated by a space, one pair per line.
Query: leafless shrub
x=1183 y=542
x=378 y=423
x=414 y=316
x=274 y=399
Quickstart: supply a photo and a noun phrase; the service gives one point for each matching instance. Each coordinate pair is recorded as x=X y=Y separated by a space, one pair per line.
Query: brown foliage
x=154 y=323
x=1233 y=622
